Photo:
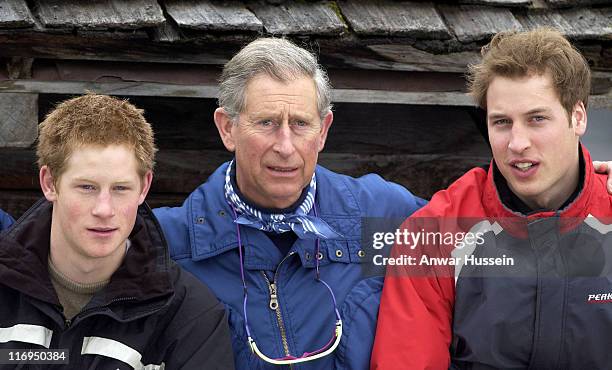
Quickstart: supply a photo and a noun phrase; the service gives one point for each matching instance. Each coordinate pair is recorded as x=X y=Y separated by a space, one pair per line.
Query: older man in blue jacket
x=274 y=235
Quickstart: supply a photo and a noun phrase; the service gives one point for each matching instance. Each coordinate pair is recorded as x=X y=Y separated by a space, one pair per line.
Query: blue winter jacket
x=203 y=239
x=5 y=220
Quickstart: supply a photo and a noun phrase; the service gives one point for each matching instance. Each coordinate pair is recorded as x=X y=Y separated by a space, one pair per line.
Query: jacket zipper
x=83 y=314
x=272 y=286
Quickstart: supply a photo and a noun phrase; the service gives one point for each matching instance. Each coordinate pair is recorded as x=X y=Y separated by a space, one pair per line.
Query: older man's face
x=277 y=140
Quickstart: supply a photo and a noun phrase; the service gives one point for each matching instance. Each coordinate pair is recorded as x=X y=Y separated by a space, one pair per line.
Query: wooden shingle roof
x=166 y=27
x=441 y=36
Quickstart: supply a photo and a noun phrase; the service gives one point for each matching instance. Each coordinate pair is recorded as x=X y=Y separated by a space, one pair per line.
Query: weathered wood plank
x=201 y=91
x=414 y=59
x=516 y=3
x=594 y=23
x=579 y=24
x=298 y=17
x=384 y=53
x=476 y=23
x=576 y=3
x=70 y=46
x=99 y=14
x=546 y=18
x=15 y=14
x=395 y=18
x=18 y=119
x=212 y=16
x=401 y=97
x=166 y=32
x=19 y=67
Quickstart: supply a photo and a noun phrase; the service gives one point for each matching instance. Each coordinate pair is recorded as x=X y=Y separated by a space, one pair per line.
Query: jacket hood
x=143 y=275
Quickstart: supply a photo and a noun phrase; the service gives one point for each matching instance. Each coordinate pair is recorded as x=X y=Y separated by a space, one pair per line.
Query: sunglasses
x=327 y=349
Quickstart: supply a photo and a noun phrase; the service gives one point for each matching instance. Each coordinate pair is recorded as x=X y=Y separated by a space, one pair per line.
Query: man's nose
x=284 y=140
x=519 y=139
x=104 y=205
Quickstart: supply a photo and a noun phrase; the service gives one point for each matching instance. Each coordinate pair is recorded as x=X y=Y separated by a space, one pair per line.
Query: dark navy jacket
x=150 y=316
x=202 y=238
x=5 y=220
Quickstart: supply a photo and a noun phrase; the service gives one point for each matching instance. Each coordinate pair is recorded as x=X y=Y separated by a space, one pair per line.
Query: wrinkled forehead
x=296 y=92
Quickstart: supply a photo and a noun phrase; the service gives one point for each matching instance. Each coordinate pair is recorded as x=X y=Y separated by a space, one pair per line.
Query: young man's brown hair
x=543 y=50
x=94 y=119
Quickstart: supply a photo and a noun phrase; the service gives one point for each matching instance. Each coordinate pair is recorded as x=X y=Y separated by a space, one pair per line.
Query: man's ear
x=579 y=119
x=224 y=125
x=46 y=183
x=146 y=185
x=325 y=125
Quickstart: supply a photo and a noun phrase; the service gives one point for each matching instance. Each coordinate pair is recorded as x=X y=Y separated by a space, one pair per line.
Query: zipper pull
x=273 y=299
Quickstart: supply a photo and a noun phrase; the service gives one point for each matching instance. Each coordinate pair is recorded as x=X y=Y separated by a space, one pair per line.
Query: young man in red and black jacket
x=520 y=275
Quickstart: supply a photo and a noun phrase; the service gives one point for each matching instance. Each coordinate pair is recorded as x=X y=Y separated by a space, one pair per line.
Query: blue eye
x=265 y=123
x=538 y=118
x=87 y=187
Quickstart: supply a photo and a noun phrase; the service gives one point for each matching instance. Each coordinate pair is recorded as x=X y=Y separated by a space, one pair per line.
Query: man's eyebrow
x=496 y=115
x=82 y=179
x=537 y=110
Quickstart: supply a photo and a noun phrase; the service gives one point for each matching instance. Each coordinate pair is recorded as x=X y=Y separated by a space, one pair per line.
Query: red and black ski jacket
x=527 y=291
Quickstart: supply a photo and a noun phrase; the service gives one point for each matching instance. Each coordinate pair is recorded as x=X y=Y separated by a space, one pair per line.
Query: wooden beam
x=401 y=97
x=202 y=91
x=18 y=119
x=206 y=91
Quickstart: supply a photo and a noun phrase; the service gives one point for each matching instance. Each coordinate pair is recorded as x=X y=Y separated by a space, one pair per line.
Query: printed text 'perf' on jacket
x=535 y=292
x=202 y=238
x=152 y=315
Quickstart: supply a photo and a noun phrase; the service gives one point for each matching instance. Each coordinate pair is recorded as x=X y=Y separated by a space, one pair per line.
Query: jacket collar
x=143 y=274
x=212 y=230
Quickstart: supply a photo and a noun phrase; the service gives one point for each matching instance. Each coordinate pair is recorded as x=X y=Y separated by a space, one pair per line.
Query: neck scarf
x=298 y=221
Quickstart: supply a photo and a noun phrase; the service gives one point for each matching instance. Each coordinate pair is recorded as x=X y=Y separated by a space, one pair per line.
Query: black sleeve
x=199 y=338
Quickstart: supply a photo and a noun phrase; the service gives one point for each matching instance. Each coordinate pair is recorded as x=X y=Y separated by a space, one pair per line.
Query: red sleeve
x=414 y=329
x=414 y=324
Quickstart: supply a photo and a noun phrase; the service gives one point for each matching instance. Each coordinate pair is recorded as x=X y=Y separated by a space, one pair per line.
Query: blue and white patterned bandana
x=303 y=225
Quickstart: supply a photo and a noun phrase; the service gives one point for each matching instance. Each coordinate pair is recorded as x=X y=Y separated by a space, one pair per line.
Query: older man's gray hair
x=278 y=58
